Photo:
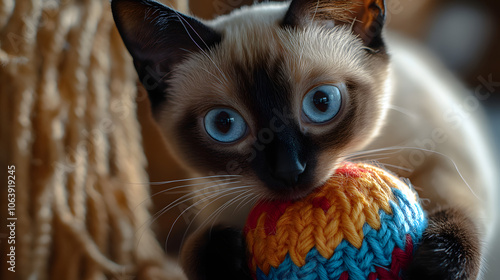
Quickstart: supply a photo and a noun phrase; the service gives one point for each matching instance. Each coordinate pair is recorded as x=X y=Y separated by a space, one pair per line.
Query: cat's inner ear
x=366 y=17
x=159 y=38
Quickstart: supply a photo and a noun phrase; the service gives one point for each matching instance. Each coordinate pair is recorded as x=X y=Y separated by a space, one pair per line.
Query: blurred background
x=464 y=35
x=91 y=73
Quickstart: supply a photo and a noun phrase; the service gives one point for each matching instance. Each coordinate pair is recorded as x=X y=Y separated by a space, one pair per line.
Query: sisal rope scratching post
x=68 y=124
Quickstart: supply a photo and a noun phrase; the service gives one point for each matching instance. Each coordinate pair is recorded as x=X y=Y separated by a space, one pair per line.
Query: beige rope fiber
x=69 y=125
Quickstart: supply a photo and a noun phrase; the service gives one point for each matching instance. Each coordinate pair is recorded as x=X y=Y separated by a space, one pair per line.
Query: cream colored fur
x=422 y=106
x=313 y=56
x=69 y=126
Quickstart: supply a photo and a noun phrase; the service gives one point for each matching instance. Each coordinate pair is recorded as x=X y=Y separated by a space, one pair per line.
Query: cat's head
x=276 y=92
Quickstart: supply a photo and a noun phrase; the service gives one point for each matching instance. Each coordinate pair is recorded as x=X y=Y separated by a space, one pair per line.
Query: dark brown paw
x=216 y=253
x=449 y=249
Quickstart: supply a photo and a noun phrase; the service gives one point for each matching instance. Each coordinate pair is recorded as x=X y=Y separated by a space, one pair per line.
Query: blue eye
x=225 y=125
x=322 y=103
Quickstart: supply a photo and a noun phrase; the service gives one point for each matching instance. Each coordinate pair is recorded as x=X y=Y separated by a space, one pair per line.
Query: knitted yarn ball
x=364 y=223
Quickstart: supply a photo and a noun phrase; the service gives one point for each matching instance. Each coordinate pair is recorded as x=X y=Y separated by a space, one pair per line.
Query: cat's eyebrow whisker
x=213 y=75
x=352 y=24
x=208 y=72
x=310 y=26
x=184 y=22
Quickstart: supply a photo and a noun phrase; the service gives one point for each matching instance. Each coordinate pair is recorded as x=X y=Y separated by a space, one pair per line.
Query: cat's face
x=274 y=93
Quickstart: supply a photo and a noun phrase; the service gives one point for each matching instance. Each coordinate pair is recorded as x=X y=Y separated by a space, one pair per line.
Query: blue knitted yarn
x=407 y=218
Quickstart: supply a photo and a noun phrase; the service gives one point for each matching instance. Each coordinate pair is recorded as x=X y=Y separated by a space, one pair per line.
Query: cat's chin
x=299 y=191
x=293 y=194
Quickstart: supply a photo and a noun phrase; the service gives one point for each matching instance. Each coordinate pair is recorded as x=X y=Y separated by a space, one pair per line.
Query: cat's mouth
x=309 y=182
x=295 y=192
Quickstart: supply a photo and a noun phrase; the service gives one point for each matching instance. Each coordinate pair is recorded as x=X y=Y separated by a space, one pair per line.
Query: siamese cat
x=280 y=93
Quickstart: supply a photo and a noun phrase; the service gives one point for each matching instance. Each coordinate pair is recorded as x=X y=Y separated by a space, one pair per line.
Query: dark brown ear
x=367 y=17
x=158 y=38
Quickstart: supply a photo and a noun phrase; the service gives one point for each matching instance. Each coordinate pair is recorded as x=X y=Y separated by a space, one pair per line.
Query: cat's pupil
x=223 y=122
x=321 y=101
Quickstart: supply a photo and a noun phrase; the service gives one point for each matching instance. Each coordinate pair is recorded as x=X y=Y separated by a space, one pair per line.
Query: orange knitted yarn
x=338 y=211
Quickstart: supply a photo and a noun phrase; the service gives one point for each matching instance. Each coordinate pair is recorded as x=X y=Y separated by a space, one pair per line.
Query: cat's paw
x=450 y=249
x=215 y=253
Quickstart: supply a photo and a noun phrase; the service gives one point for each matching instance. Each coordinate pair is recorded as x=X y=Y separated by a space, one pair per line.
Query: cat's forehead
x=262 y=15
x=254 y=41
x=256 y=32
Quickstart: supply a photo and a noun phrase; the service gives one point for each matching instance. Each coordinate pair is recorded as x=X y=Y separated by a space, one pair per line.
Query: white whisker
x=395 y=166
x=199 y=193
x=217 y=197
x=367 y=157
x=184 y=22
x=310 y=25
x=403 y=111
x=223 y=206
x=180 y=180
x=191 y=191
x=243 y=202
x=180 y=201
x=400 y=148
x=206 y=70
x=173 y=204
x=389 y=151
x=214 y=216
x=194 y=184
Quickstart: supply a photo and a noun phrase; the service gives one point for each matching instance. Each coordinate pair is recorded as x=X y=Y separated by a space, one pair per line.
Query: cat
x=280 y=93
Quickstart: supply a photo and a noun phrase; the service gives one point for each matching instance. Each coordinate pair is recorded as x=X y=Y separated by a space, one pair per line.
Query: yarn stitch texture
x=363 y=223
